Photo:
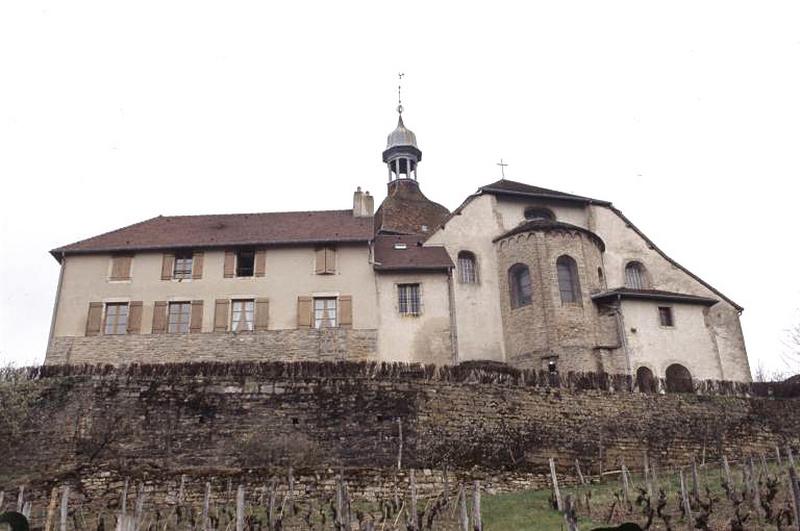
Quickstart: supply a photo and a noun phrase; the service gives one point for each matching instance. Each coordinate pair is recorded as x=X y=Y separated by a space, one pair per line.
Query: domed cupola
x=402 y=154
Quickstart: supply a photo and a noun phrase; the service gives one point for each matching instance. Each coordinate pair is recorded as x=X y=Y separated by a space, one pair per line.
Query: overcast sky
x=686 y=115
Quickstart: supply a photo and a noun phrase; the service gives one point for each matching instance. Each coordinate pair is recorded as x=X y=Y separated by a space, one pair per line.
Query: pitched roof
x=222 y=230
x=653 y=294
x=406 y=210
x=406 y=253
x=506 y=187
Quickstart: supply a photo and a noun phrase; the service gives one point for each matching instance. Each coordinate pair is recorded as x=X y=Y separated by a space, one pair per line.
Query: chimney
x=363 y=204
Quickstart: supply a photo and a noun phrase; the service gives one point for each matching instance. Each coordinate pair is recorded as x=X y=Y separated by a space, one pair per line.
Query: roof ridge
x=341 y=210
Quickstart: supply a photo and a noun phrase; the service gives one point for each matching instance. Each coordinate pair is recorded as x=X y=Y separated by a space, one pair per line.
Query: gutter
x=451 y=299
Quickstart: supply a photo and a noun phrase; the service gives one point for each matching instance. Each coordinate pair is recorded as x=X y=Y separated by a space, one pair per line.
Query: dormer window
x=400 y=246
x=539 y=214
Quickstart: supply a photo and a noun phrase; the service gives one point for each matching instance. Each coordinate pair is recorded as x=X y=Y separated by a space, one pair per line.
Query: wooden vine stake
x=795 y=492
x=648 y=480
x=462 y=513
x=477 y=523
x=413 y=509
x=580 y=474
x=205 y=523
x=687 y=508
x=240 y=508
x=695 y=481
x=51 y=509
x=726 y=471
x=570 y=517
x=625 y=487
x=556 y=492
x=64 y=508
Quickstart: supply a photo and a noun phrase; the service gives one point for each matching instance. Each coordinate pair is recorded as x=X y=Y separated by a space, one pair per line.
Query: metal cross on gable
x=502 y=168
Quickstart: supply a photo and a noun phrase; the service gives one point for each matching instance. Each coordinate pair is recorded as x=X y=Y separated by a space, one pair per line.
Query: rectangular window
x=242 y=315
x=179 y=317
x=324 y=312
x=116 y=322
x=245 y=263
x=408 y=299
x=121 y=267
x=665 y=316
x=325 y=258
x=183 y=266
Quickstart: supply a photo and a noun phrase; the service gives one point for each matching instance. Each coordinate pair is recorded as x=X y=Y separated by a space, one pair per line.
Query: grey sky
x=685 y=114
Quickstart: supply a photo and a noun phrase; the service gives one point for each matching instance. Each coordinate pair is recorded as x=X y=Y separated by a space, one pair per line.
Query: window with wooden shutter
x=261 y=263
x=221 y=315
x=197 y=266
x=116 y=320
x=196 y=323
x=167 y=263
x=262 y=314
x=230 y=264
x=135 y=317
x=346 y=310
x=325 y=261
x=94 y=319
x=183 y=265
x=304 y=312
x=159 y=317
x=121 y=267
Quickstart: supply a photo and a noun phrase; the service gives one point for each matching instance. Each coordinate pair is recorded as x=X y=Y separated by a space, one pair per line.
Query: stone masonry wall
x=330 y=344
x=162 y=422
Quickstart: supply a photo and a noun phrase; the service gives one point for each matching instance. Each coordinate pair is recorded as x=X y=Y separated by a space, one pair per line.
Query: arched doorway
x=645 y=380
x=679 y=379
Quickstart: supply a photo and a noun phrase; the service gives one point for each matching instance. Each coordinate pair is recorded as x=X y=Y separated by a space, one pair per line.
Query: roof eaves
x=674 y=297
x=556 y=197
x=653 y=246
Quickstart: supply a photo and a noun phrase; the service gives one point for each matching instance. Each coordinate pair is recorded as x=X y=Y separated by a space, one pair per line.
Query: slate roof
x=653 y=294
x=224 y=230
x=507 y=187
x=414 y=257
x=548 y=225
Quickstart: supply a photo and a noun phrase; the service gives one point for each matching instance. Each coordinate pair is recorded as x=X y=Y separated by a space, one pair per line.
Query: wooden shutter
x=121 y=267
x=221 y=315
x=196 y=321
x=346 y=311
x=197 y=265
x=95 y=318
x=135 y=317
x=230 y=264
x=330 y=260
x=167 y=266
x=319 y=266
x=261 y=263
x=262 y=314
x=159 y=317
x=304 y=312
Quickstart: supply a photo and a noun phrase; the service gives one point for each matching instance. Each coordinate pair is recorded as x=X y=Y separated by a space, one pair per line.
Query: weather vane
x=399 y=92
x=502 y=168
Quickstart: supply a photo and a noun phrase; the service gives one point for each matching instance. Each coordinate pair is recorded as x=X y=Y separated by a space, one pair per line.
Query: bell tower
x=402 y=154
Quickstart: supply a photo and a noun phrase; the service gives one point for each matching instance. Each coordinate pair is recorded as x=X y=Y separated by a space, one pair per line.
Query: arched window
x=568 y=283
x=636 y=276
x=519 y=285
x=679 y=379
x=539 y=213
x=645 y=380
x=467 y=268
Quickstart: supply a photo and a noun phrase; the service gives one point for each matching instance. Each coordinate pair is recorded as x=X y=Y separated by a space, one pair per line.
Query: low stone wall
x=243 y=421
x=330 y=344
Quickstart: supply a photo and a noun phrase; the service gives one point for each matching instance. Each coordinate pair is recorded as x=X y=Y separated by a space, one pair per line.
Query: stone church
x=519 y=274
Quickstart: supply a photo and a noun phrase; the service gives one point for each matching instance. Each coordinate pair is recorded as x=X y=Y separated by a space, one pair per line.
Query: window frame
x=469 y=275
x=182 y=274
x=568 y=265
x=517 y=297
x=317 y=322
x=117 y=323
x=670 y=313
x=251 y=312
x=237 y=268
x=179 y=324
x=409 y=306
x=641 y=274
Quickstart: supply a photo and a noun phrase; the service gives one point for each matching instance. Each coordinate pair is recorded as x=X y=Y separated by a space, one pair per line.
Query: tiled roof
x=653 y=294
x=391 y=256
x=504 y=186
x=406 y=210
x=548 y=225
x=222 y=230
